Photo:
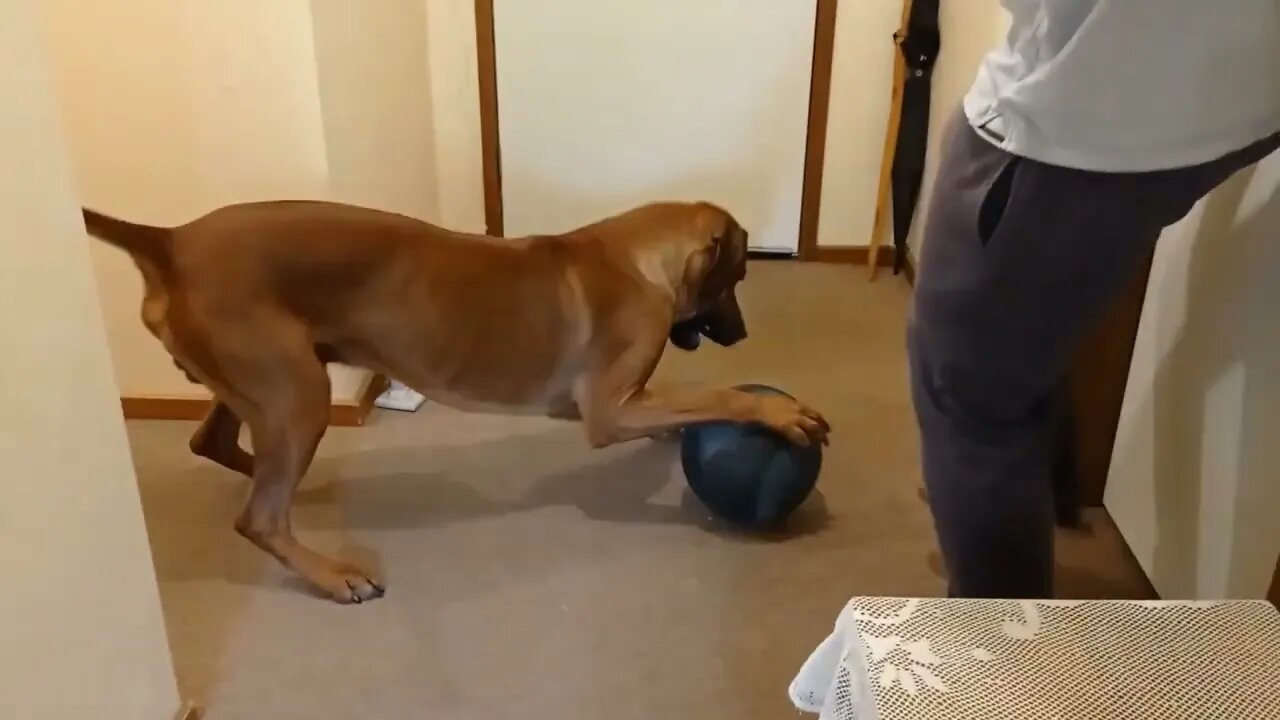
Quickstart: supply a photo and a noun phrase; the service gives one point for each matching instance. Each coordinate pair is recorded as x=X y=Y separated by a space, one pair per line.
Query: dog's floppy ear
x=714 y=265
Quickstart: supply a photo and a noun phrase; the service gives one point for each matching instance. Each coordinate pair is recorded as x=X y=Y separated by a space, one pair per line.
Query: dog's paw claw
x=355 y=588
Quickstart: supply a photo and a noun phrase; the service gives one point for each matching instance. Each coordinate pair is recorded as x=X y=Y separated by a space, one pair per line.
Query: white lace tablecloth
x=941 y=659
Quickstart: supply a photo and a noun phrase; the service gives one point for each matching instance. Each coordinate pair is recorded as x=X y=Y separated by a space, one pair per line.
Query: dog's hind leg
x=218 y=439
x=290 y=411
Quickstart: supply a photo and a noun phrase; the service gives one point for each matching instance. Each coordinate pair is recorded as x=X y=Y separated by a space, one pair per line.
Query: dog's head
x=717 y=263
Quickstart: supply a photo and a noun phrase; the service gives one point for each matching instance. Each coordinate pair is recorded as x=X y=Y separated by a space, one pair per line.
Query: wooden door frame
x=1274 y=593
x=815 y=133
x=490 y=149
x=815 y=141
x=1096 y=382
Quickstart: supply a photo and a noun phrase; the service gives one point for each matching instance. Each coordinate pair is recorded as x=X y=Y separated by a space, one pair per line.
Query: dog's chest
x=549 y=402
x=533 y=382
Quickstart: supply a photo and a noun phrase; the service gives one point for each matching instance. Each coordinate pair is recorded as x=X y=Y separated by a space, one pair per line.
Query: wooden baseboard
x=857 y=255
x=180 y=408
x=164 y=408
x=355 y=415
x=854 y=255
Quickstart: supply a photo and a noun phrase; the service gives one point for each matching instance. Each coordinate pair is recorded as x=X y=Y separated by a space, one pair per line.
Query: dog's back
x=371 y=289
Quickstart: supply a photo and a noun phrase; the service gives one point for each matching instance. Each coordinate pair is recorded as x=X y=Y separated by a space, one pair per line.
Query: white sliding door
x=603 y=105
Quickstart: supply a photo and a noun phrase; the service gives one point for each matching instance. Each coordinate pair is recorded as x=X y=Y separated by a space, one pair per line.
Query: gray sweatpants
x=1019 y=259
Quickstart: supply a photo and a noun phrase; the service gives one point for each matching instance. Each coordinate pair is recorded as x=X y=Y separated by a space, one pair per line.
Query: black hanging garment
x=919 y=47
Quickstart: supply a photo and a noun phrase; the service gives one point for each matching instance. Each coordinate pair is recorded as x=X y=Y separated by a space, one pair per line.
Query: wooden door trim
x=1274 y=593
x=1097 y=380
x=815 y=142
x=815 y=132
x=490 y=148
x=341 y=414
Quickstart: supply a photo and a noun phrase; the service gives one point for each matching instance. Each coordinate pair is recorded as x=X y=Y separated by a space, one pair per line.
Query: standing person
x=1097 y=124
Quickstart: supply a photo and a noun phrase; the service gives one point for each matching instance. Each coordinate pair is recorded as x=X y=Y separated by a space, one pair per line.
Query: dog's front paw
x=800 y=423
x=348 y=585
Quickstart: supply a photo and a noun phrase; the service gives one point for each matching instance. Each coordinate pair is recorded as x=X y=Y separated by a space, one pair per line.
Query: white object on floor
x=400 y=397
x=926 y=659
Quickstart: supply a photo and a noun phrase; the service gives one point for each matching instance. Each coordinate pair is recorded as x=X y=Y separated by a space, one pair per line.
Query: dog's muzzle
x=688 y=334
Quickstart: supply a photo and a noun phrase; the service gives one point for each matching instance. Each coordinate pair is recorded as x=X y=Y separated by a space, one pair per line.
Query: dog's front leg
x=617 y=409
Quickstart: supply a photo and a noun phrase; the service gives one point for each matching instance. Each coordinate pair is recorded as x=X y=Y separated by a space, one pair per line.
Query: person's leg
x=1019 y=258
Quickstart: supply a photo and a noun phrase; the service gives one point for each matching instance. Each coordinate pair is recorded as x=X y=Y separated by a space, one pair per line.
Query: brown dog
x=253 y=300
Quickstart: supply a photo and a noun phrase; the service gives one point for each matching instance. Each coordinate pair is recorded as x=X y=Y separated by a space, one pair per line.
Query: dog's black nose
x=686 y=335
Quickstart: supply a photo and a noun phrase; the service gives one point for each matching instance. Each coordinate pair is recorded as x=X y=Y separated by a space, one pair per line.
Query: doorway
x=593 y=108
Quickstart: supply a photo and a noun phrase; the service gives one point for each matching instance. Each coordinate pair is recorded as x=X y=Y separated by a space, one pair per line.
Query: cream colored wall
x=82 y=633
x=861 y=84
x=128 y=126
x=376 y=100
x=232 y=101
x=862 y=68
x=451 y=44
x=1193 y=482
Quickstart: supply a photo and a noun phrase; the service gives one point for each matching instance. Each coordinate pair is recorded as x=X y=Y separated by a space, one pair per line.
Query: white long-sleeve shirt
x=1131 y=85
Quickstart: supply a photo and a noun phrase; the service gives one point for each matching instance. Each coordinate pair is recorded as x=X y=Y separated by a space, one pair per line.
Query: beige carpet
x=530 y=577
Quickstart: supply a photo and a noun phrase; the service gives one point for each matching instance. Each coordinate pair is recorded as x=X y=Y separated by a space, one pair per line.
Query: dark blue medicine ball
x=746 y=473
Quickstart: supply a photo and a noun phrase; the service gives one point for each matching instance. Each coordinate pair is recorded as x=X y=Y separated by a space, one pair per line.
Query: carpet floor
x=532 y=577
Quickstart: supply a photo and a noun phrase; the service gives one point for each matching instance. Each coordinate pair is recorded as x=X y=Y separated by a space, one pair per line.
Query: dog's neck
x=664 y=265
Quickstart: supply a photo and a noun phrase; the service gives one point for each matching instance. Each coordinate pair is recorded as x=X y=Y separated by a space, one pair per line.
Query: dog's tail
x=148 y=245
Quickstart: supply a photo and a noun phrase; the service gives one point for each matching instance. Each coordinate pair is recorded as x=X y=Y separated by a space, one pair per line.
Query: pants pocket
x=996 y=200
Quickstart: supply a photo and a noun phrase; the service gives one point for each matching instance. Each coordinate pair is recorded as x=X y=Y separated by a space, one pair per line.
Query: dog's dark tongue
x=686 y=335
